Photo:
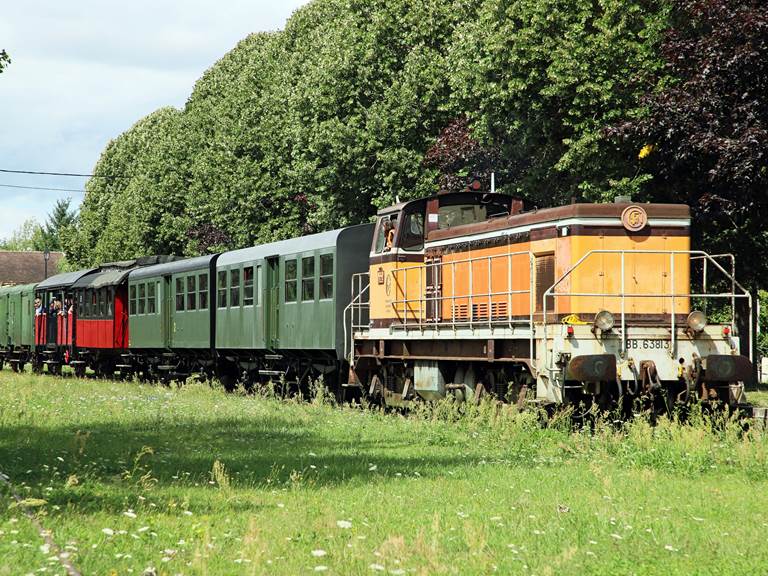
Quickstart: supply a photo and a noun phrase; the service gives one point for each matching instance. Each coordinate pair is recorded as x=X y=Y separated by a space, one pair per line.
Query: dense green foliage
x=315 y=126
x=708 y=126
x=4 y=60
x=133 y=479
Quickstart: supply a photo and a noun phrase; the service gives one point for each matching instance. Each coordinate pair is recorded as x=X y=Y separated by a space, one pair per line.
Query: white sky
x=85 y=71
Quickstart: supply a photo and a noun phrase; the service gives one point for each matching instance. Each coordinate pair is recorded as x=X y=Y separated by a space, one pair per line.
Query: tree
x=460 y=159
x=540 y=79
x=704 y=139
x=4 y=60
x=28 y=236
x=60 y=218
x=317 y=126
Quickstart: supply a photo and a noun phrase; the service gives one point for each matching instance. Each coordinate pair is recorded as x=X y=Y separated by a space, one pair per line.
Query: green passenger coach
x=280 y=306
x=171 y=316
x=17 y=317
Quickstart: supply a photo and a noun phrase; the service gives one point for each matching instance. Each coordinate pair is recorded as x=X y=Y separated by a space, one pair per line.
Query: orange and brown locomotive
x=585 y=303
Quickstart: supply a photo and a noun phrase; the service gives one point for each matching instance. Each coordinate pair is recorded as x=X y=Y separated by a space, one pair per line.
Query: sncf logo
x=634 y=218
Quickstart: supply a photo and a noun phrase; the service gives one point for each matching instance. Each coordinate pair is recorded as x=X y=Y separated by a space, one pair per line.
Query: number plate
x=647 y=344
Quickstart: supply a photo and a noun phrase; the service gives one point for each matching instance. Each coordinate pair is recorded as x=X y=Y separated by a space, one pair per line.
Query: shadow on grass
x=112 y=464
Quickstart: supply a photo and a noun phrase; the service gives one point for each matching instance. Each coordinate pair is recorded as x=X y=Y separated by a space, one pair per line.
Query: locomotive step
x=76 y=362
x=273 y=356
x=166 y=367
x=124 y=366
x=51 y=362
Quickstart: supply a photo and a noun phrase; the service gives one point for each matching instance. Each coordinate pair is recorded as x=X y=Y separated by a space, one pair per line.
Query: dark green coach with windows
x=171 y=315
x=280 y=306
x=273 y=311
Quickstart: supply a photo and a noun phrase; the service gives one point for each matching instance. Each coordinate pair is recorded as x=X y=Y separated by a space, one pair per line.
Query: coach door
x=27 y=318
x=272 y=300
x=166 y=306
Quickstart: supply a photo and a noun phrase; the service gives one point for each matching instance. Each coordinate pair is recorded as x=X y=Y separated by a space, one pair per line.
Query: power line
x=39 y=173
x=42 y=188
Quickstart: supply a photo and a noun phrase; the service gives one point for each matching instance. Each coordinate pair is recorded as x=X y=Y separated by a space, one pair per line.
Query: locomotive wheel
x=376 y=391
x=14 y=366
x=79 y=370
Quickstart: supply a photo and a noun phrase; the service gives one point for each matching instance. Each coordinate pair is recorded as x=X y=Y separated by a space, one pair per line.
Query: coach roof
x=64 y=280
x=175 y=267
x=283 y=247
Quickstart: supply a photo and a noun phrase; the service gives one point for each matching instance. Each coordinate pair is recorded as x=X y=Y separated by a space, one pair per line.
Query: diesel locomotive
x=458 y=294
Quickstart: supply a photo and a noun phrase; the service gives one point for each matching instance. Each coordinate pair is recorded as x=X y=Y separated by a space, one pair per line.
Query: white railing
x=427 y=311
x=358 y=310
x=672 y=295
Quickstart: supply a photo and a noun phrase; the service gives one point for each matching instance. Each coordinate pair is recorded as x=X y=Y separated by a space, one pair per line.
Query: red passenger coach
x=102 y=320
x=101 y=328
x=55 y=325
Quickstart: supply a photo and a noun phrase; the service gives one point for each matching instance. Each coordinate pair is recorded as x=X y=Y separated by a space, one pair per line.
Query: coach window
x=257 y=282
x=222 y=290
x=151 y=301
x=290 y=280
x=308 y=278
x=326 y=276
x=110 y=301
x=132 y=300
x=191 y=292
x=94 y=311
x=248 y=286
x=142 y=298
x=234 y=288
x=202 y=285
x=180 y=294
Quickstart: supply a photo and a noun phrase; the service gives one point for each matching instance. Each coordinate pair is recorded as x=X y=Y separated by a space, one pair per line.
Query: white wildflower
x=319 y=553
x=345 y=524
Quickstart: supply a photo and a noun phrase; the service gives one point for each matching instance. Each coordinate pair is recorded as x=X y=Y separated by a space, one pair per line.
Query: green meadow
x=138 y=479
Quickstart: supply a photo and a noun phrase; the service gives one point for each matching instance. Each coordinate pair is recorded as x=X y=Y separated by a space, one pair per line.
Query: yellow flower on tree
x=645 y=151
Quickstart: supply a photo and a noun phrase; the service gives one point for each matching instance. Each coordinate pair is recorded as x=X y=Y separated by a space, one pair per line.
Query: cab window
x=412 y=234
x=382 y=232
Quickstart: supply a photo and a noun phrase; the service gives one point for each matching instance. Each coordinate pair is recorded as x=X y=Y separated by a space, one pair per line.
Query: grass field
x=193 y=481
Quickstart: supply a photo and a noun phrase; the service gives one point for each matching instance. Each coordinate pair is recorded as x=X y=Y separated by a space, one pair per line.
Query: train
x=461 y=295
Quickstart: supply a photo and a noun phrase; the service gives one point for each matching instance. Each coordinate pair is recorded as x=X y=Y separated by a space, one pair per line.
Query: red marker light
x=726 y=330
x=570 y=330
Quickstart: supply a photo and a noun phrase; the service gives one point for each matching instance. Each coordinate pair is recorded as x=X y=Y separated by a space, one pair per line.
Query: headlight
x=697 y=321
x=603 y=321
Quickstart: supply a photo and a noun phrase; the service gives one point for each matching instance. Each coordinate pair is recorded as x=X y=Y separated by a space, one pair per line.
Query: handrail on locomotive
x=693 y=254
x=359 y=305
